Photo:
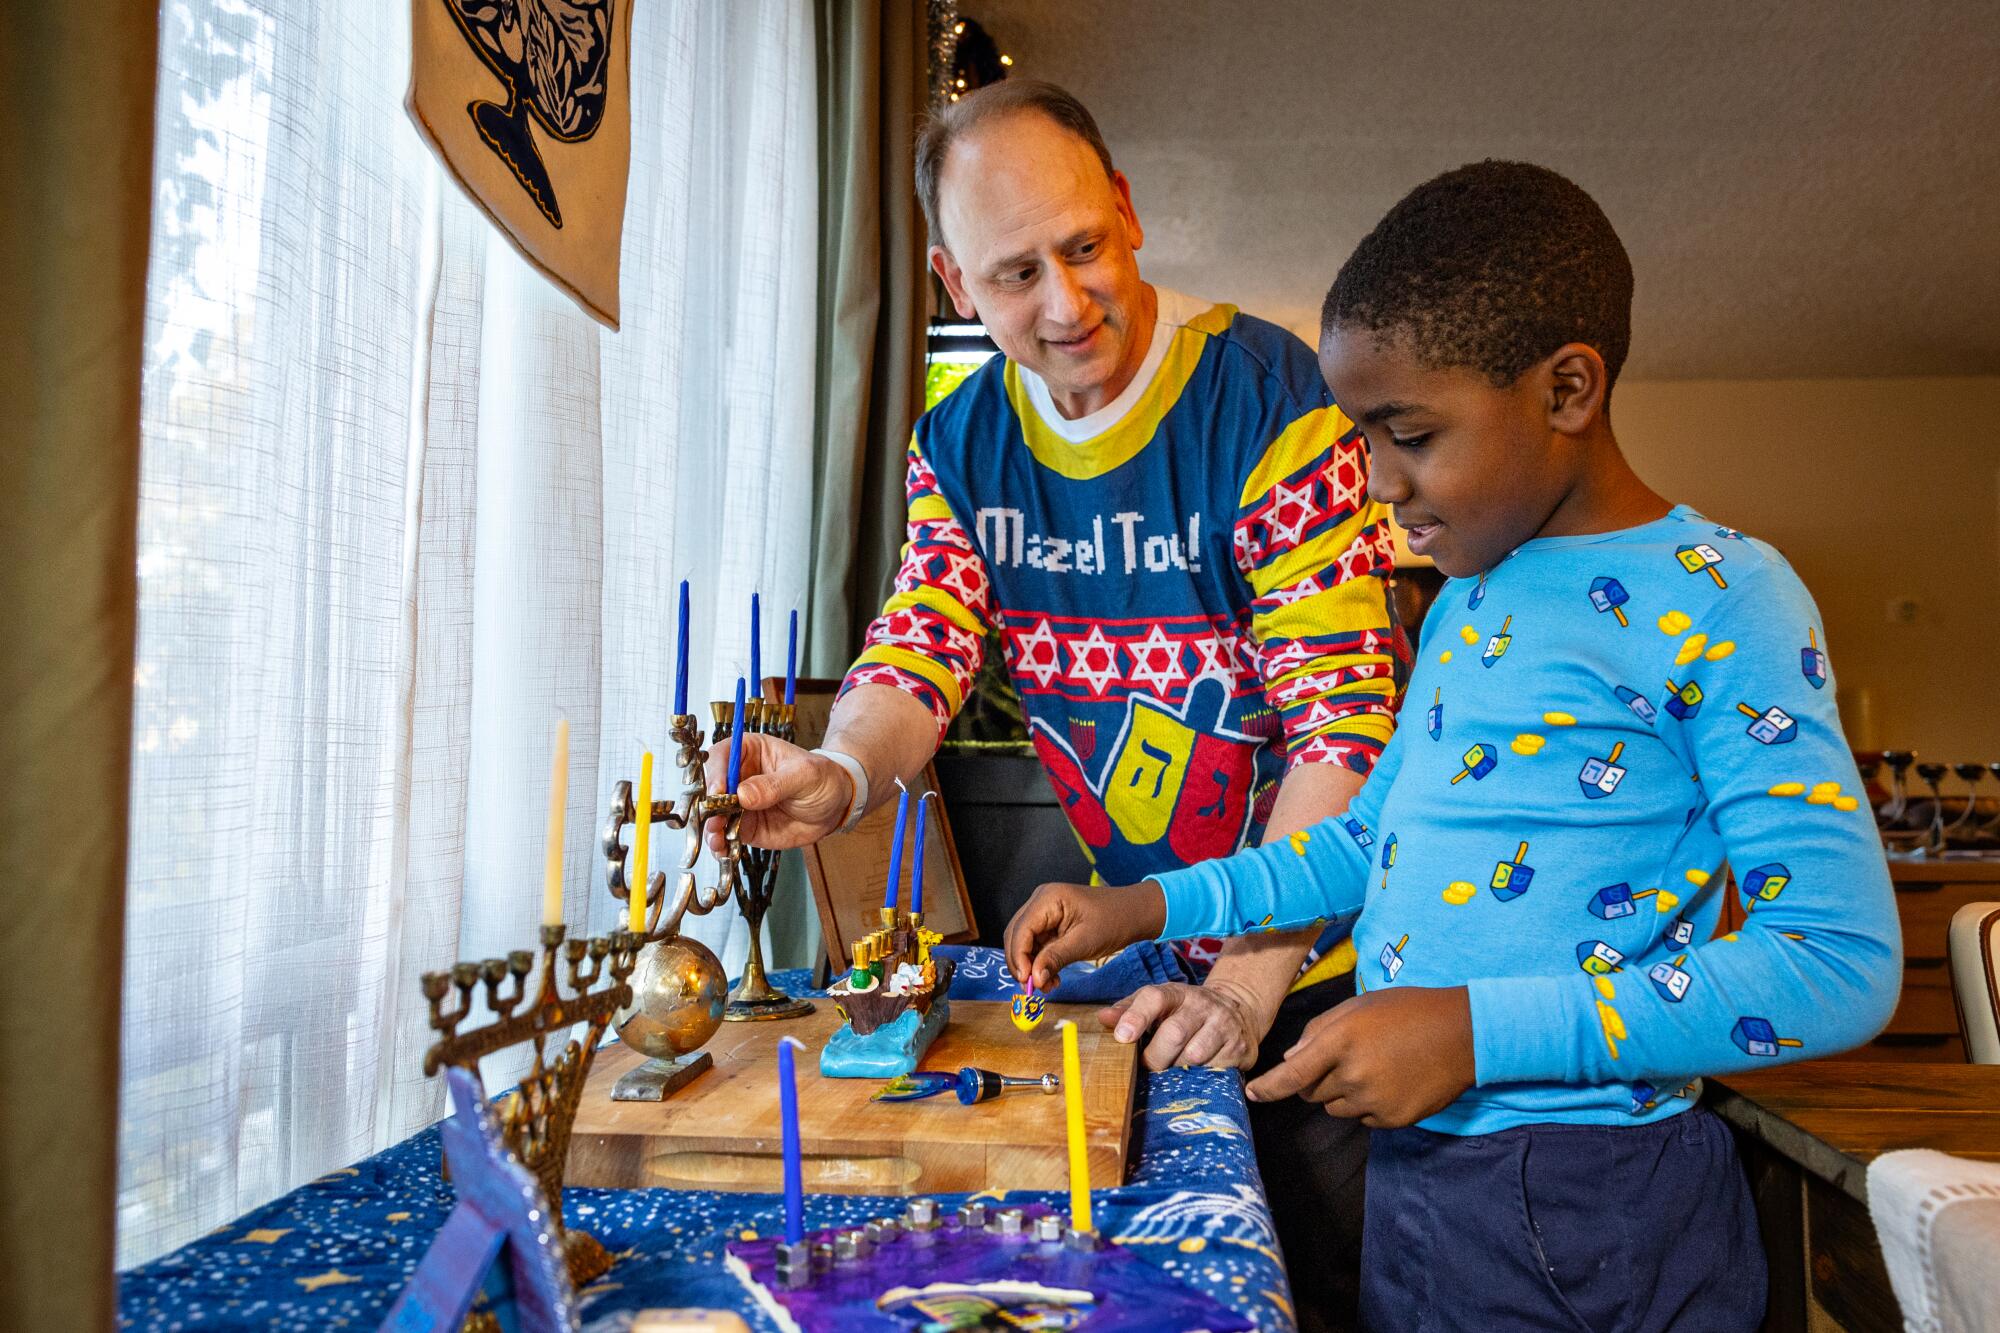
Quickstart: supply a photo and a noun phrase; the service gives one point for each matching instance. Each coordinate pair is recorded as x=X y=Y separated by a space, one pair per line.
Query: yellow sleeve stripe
x=933 y=598
x=935 y=674
x=1335 y=962
x=1308 y=439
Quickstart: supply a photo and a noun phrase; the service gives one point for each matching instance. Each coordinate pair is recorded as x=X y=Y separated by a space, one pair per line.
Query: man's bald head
x=960 y=118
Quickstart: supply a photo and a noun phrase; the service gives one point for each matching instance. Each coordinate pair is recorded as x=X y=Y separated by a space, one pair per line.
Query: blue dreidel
x=1600 y=777
x=1477 y=595
x=1756 y=1036
x=1598 y=958
x=1812 y=662
x=1773 y=726
x=1766 y=882
x=1511 y=878
x=1682 y=933
x=1701 y=558
x=1608 y=594
x=1644 y=1098
x=1731 y=533
x=1388 y=858
x=1642 y=707
x=1615 y=901
x=1478 y=761
x=1670 y=980
x=1683 y=701
x=1392 y=958
x=1496 y=647
x=1434 y=718
x=1357 y=831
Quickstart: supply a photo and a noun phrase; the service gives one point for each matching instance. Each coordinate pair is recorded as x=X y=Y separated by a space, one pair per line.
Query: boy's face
x=1471 y=471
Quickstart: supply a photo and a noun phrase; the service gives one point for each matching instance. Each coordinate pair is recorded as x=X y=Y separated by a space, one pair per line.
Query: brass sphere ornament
x=678 y=994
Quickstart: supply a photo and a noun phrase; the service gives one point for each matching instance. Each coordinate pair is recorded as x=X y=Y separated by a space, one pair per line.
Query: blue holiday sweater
x=1592 y=728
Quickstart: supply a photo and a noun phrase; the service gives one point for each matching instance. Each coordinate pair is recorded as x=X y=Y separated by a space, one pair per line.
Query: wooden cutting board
x=722 y=1130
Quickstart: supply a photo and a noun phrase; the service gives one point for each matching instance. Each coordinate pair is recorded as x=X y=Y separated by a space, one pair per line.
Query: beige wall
x=1878 y=491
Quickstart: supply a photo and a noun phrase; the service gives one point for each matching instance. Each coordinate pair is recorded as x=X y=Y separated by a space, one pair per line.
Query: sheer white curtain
x=402 y=506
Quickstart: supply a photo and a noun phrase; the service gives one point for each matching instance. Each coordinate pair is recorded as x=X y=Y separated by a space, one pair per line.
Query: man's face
x=1039 y=246
x=1471 y=471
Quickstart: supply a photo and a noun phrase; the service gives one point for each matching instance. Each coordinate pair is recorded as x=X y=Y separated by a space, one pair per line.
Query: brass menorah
x=747 y=874
x=536 y=1118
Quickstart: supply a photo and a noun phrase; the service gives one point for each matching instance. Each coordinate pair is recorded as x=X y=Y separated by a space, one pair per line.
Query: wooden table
x=1807 y=1133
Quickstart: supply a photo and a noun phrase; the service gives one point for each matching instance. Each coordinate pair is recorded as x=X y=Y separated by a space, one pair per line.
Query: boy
x=1617 y=694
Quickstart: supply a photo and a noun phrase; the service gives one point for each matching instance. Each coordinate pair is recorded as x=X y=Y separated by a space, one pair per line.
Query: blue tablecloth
x=334 y=1253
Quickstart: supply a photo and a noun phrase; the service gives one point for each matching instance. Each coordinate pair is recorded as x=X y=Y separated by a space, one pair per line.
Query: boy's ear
x=1578 y=386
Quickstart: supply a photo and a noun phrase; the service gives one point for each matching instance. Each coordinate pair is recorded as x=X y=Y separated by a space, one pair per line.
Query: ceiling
x=1807 y=190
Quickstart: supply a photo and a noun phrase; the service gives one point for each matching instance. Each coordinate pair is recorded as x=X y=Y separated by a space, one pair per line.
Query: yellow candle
x=1079 y=1155
x=552 y=875
x=642 y=842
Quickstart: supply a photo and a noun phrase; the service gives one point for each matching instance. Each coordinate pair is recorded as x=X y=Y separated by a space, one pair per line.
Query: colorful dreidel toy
x=1642 y=707
x=1616 y=901
x=1682 y=933
x=1773 y=726
x=1683 y=701
x=1028 y=1008
x=1598 y=958
x=1600 y=777
x=1756 y=1036
x=1392 y=958
x=1511 y=878
x=1496 y=647
x=1358 y=831
x=1701 y=558
x=1608 y=594
x=1670 y=980
x=1388 y=857
x=1478 y=761
x=1812 y=662
x=1477 y=595
x=1766 y=882
x=1434 y=716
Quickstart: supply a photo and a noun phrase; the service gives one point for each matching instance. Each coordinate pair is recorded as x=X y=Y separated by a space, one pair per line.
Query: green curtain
x=77 y=160
x=872 y=312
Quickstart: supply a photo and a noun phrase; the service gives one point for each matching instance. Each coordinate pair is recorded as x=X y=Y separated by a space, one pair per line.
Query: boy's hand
x=1064 y=923
x=1388 y=1058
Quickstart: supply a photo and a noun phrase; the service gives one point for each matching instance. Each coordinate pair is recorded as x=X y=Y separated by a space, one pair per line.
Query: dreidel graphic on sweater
x=1616 y=901
x=1766 y=882
x=1701 y=558
x=1773 y=726
x=1642 y=707
x=1598 y=958
x=1683 y=701
x=1434 y=715
x=1477 y=595
x=1363 y=837
x=1671 y=980
x=1608 y=594
x=1478 y=762
x=1600 y=777
x=1392 y=958
x=1496 y=646
x=1681 y=933
x=1512 y=878
x=1812 y=662
x=1388 y=857
x=1756 y=1036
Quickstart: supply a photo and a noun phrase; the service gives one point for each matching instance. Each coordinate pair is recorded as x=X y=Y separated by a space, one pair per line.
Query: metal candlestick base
x=655 y=1080
x=747 y=1009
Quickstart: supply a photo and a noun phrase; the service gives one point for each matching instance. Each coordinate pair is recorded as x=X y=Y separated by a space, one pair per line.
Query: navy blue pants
x=1625 y=1228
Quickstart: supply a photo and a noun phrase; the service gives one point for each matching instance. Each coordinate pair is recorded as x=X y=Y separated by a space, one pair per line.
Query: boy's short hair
x=1491 y=267
x=954 y=119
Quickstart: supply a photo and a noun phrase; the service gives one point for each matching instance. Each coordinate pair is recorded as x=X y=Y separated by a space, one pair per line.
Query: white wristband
x=859 y=775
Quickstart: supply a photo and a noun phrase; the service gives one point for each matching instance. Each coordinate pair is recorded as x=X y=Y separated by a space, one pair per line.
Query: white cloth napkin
x=1938 y=1218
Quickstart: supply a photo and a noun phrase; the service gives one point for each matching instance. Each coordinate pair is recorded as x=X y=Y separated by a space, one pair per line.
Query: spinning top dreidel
x=983 y=1085
x=1598 y=958
x=1683 y=701
x=1388 y=858
x=1617 y=901
x=1028 y=1007
x=1600 y=777
x=1812 y=662
x=1392 y=958
x=1773 y=726
x=1511 y=878
x=1434 y=715
x=1681 y=934
x=1358 y=831
x=1766 y=882
x=1477 y=595
x=1701 y=558
x=1756 y=1036
x=1496 y=647
x=1670 y=979
x=1477 y=763
x=1608 y=594
x=1642 y=707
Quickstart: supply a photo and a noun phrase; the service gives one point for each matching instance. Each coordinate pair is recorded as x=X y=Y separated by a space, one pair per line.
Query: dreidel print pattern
x=1766 y=882
x=1600 y=777
x=1616 y=901
x=1683 y=701
x=1434 y=717
x=1598 y=958
x=1812 y=662
x=1392 y=958
x=1358 y=831
x=1670 y=980
x=1496 y=647
x=1388 y=857
x=1477 y=595
x=1701 y=558
x=1608 y=594
x=1773 y=726
x=1478 y=761
x=1682 y=933
x=1511 y=878
x=1642 y=707
x=1756 y=1036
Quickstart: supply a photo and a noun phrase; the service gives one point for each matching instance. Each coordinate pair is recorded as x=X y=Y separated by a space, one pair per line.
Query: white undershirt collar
x=1175 y=310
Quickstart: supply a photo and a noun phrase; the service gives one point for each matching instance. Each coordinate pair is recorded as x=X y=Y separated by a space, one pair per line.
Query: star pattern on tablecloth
x=266 y=1235
x=333 y=1277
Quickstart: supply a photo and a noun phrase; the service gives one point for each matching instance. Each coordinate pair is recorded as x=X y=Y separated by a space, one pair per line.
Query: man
x=1158 y=506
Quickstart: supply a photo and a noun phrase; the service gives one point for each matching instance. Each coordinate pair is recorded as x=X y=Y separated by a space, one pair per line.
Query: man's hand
x=1217 y=1024
x=1063 y=923
x=1388 y=1058
x=790 y=796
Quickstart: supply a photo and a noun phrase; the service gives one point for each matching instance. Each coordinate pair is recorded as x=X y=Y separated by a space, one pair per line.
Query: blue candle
x=736 y=741
x=917 y=858
x=792 y=661
x=681 y=659
x=756 y=653
x=788 y=1113
x=896 y=848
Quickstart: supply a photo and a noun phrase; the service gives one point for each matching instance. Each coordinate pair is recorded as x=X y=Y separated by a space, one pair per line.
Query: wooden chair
x=1974 y=945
